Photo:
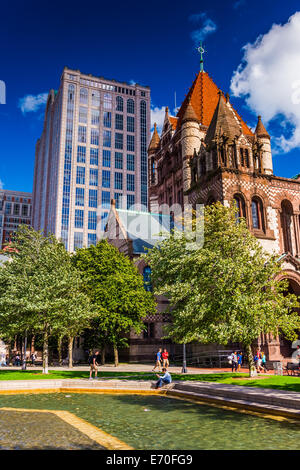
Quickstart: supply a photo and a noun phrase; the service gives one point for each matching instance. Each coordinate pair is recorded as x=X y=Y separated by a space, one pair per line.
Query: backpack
x=90 y=359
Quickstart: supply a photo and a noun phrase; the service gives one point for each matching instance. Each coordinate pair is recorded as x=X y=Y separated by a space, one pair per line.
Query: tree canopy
x=225 y=291
x=41 y=290
x=116 y=290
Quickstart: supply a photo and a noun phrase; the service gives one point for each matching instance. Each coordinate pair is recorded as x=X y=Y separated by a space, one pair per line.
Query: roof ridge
x=204 y=99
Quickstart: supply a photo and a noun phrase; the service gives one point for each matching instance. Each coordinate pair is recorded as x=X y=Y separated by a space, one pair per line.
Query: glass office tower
x=93 y=149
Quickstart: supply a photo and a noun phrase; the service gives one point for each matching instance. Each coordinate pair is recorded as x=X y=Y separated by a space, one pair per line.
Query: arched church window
x=240 y=205
x=286 y=225
x=257 y=214
x=244 y=157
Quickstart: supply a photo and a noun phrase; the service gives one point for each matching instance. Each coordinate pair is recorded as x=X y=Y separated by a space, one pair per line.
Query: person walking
x=165 y=357
x=33 y=358
x=93 y=365
x=240 y=360
x=264 y=362
x=17 y=360
x=234 y=361
x=157 y=361
x=257 y=360
x=163 y=379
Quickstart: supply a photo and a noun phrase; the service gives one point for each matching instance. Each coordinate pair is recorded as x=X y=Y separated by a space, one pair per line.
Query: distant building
x=93 y=148
x=15 y=210
x=207 y=153
x=133 y=232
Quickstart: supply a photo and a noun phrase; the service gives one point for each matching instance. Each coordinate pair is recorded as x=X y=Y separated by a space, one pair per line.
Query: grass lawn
x=275 y=382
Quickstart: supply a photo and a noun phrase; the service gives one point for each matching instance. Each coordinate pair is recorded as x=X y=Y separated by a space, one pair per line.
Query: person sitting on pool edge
x=163 y=379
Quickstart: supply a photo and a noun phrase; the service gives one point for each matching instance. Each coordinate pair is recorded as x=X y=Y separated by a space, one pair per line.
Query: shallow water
x=159 y=422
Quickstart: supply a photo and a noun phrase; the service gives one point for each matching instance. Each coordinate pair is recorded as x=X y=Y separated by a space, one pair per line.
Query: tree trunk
x=24 y=354
x=32 y=345
x=59 y=349
x=103 y=355
x=9 y=354
x=70 y=348
x=252 y=369
x=45 y=353
x=116 y=356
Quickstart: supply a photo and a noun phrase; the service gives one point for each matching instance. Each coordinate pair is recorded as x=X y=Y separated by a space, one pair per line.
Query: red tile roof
x=204 y=99
x=260 y=130
x=173 y=121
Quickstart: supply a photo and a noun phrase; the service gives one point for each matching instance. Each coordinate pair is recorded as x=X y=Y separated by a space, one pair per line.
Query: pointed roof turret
x=260 y=130
x=224 y=121
x=155 y=139
x=204 y=98
x=189 y=114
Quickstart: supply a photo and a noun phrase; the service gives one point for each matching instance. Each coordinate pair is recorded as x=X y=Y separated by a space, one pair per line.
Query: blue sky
x=153 y=44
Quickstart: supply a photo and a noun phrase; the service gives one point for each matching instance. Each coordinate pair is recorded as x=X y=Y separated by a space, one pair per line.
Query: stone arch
x=293 y=278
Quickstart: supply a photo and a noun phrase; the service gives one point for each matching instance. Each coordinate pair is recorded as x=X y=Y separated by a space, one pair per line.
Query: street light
x=184 y=369
x=24 y=355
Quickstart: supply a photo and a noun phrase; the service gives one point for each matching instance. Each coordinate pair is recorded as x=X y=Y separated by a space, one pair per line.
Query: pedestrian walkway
x=126 y=367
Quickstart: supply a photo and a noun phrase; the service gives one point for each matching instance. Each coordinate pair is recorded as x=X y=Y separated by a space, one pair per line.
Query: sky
x=252 y=52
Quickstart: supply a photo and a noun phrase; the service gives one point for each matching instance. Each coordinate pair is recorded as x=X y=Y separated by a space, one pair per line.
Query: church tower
x=190 y=142
x=264 y=141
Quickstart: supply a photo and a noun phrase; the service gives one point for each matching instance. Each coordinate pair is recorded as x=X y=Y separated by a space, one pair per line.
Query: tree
x=226 y=291
x=41 y=290
x=116 y=290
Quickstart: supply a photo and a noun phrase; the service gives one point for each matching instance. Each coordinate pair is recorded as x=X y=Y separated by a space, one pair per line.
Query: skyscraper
x=93 y=148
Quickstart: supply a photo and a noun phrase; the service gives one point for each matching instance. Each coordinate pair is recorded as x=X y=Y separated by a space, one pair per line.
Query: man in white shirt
x=234 y=363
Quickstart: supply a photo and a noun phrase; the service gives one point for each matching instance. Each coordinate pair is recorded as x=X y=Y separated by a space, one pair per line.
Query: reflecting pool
x=144 y=422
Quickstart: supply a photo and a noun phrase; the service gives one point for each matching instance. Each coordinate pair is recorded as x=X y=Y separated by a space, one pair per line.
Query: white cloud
x=269 y=79
x=207 y=26
x=1 y=184
x=32 y=103
x=158 y=116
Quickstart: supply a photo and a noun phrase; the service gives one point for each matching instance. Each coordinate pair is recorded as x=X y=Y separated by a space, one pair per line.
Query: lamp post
x=24 y=354
x=184 y=369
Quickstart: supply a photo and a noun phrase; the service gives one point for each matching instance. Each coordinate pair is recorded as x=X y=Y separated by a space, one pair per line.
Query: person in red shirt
x=165 y=358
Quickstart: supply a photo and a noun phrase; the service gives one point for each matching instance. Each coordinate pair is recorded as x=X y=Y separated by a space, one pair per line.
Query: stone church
x=207 y=153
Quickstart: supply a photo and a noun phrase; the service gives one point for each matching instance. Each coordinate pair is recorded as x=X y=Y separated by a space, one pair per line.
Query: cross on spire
x=201 y=51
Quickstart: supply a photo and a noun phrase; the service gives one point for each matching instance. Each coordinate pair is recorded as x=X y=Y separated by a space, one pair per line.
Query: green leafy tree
x=116 y=290
x=41 y=290
x=225 y=291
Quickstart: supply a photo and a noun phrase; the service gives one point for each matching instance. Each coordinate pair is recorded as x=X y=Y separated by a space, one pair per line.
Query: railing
x=217 y=358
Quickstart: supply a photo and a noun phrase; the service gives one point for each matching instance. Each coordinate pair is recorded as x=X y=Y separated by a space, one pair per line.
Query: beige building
x=93 y=148
x=15 y=210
